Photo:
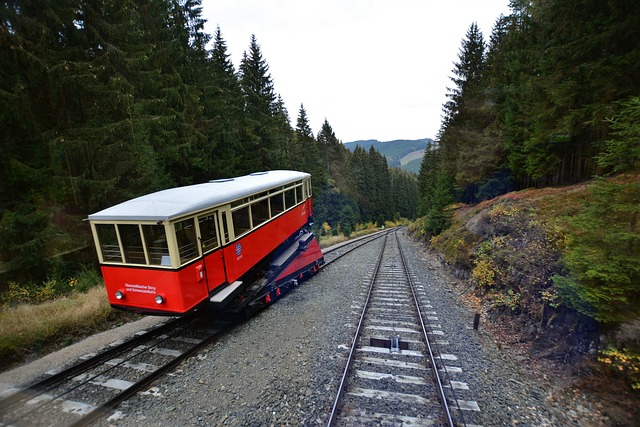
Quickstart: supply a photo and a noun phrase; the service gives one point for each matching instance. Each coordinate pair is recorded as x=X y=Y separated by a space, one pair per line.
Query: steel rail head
x=434 y=368
x=49 y=383
x=334 y=409
x=361 y=242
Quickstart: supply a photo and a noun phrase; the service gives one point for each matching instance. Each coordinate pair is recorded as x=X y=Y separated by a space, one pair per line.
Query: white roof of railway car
x=176 y=202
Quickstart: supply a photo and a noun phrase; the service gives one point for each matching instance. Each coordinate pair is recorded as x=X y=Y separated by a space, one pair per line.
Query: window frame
x=143 y=238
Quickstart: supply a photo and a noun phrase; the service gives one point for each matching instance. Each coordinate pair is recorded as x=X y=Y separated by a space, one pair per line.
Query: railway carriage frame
x=171 y=251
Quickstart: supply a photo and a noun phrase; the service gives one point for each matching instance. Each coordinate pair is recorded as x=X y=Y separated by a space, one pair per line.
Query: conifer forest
x=105 y=101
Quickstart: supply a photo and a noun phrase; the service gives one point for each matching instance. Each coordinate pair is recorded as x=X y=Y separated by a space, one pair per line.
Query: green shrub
x=510 y=299
x=602 y=278
x=50 y=289
x=622 y=149
x=87 y=279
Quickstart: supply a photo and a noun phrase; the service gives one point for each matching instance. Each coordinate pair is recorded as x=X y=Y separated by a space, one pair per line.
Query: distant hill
x=403 y=153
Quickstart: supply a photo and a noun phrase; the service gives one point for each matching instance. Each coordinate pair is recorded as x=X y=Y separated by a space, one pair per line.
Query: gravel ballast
x=282 y=366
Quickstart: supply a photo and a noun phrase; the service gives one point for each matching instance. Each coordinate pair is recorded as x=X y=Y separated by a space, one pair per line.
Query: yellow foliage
x=484 y=272
x=502 y=210
x=623 y=361
x=326 y=228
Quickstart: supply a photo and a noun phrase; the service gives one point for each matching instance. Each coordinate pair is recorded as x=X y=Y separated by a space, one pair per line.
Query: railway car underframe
x=298 y=258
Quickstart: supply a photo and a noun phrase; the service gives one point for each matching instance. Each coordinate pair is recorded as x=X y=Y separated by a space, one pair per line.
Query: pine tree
x=224 y=111
x=259 y=149
x=309 y=151
x=470 y=145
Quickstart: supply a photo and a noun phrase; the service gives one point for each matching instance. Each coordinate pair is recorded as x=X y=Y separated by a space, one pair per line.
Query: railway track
x=95 y=387
x=338 y=251
x=393 y=375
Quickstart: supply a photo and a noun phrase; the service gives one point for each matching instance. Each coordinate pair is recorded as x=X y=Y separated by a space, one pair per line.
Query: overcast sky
x=375 y=69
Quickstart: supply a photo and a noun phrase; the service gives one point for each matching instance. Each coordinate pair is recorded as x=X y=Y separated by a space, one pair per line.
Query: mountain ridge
x=405 y=154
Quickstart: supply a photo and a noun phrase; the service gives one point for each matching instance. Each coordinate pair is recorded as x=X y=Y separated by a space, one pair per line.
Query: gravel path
x=282 y=367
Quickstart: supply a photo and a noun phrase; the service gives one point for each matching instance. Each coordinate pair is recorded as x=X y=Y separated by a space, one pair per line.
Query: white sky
x=375 y=69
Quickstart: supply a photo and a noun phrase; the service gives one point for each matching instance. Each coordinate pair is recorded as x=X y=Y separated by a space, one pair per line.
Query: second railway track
x=93 y=388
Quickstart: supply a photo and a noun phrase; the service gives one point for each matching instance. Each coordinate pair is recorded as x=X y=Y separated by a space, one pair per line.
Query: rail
x=383 y=290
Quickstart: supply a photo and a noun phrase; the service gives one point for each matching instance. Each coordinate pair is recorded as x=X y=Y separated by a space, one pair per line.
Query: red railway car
x=242 y=240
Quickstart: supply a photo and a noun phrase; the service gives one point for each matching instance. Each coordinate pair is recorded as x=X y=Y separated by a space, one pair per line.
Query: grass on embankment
x=327 y=239
x=30 y=330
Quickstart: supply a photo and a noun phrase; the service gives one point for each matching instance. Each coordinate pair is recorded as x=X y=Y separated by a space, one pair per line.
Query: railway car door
x=210 y=242
x=224 y=221
x=227 y=236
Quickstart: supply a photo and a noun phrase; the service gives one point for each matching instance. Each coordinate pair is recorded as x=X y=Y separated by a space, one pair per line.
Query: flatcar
x=235 y=242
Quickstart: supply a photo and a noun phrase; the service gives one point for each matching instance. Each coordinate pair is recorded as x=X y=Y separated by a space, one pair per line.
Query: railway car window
x=259 y=196
x=208 y=232
x=239 y=202
x=240 y=220
x=132 y=244
x=290 y=198
x=108 y=241
x=155 y=239
x=299 y=197
x=186 y=238
x=277 y=204
x=260 y=212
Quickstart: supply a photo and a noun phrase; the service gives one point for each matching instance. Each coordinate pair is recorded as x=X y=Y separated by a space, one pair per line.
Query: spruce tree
x=223 y=105
x=404 y=191
x=283 y=156
x=362 y=174
x=466 y=143
x=310 y=152
x=32 y=40
x=567 y=66
x=259 y=148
